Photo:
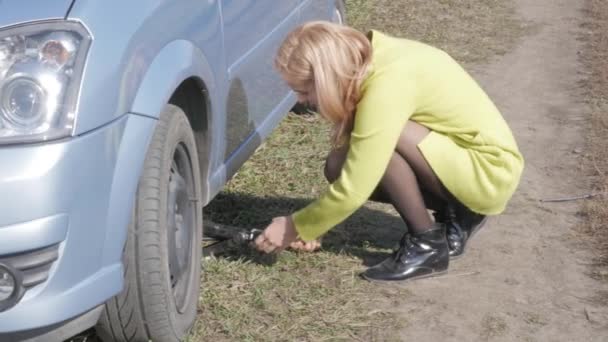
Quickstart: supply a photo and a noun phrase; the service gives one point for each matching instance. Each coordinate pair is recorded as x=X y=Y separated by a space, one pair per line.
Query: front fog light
x=7 y=284
x=10 y=287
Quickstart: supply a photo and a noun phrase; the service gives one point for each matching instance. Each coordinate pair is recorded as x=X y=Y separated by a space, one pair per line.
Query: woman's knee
x=334 y=163
x=407 y=146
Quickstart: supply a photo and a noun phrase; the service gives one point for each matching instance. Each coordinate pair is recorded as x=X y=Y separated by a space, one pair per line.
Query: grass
x=595 y=58
x=294 y=296
x=300 y=297
x=472 y=31
x=246 y=296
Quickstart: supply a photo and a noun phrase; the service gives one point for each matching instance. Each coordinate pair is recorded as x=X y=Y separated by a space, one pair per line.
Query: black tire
x=147 y=309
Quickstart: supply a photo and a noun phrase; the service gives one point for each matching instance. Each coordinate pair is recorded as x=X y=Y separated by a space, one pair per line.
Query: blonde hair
x=334 y=59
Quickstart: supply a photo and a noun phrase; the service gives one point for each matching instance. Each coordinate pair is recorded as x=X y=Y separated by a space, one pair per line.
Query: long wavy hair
x=332 y=58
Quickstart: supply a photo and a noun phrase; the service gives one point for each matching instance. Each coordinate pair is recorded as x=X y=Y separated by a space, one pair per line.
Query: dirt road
x=524 y=275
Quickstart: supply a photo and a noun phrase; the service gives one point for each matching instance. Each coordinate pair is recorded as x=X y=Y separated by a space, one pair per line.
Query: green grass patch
x=295 y=296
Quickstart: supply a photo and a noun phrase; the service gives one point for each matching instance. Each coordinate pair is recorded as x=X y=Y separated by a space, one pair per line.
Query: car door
x=320 y=10
x=253 y=31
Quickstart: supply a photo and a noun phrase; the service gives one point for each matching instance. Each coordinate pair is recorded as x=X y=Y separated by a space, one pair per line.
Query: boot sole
x=430 y=275
x=473 y=232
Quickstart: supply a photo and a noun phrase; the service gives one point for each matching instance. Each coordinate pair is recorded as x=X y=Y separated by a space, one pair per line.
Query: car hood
x=20 y=11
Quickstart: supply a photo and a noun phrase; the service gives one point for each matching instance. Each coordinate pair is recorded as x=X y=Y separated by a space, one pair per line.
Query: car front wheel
x=163 y=249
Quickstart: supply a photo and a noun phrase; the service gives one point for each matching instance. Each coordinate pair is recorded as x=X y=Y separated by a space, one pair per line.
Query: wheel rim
x=181 y=221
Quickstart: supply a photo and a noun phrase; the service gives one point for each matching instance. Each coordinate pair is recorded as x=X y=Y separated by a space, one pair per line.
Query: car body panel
x=77 y=194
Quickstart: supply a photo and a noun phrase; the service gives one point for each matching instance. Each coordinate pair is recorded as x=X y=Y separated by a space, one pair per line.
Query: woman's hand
x=277 y=236
x=303 y=246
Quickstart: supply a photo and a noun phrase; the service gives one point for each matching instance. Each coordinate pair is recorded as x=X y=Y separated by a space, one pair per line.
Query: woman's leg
x=407 y=147
x=423 y=250
x=431 y=201
x=409 y=183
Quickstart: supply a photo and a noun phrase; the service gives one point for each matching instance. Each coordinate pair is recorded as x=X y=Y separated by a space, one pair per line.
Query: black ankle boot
x=419 y=256
x=461 y=224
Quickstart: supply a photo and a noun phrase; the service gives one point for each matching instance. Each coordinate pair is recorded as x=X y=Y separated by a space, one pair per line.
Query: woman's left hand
x=277 y=236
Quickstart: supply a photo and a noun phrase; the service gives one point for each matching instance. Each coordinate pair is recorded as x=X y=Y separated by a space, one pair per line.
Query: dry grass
x=300 y=297
x=251 y=297
x=595 y=58
x=471 y=31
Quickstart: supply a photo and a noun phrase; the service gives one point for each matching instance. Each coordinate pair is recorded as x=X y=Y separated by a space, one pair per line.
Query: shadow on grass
x=369 y=234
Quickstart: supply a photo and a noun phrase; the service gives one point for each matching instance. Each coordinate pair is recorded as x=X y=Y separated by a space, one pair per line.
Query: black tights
x=409 y=183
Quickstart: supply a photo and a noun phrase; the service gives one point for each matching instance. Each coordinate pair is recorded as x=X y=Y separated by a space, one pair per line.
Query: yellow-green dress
x=470 y=148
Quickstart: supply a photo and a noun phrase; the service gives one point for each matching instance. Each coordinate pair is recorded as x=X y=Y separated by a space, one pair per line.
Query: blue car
x=119 y=121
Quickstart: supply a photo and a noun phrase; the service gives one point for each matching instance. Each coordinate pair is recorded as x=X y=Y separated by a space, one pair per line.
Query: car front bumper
x=64 y=211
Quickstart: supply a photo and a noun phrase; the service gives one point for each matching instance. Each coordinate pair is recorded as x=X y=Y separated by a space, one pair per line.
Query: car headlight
x=41 y=67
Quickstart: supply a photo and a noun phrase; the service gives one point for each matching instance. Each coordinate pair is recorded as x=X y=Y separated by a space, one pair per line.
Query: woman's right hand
x=301 y=245
x=279 y=234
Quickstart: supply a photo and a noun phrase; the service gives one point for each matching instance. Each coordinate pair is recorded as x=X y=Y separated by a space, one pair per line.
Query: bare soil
x=526 y=275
